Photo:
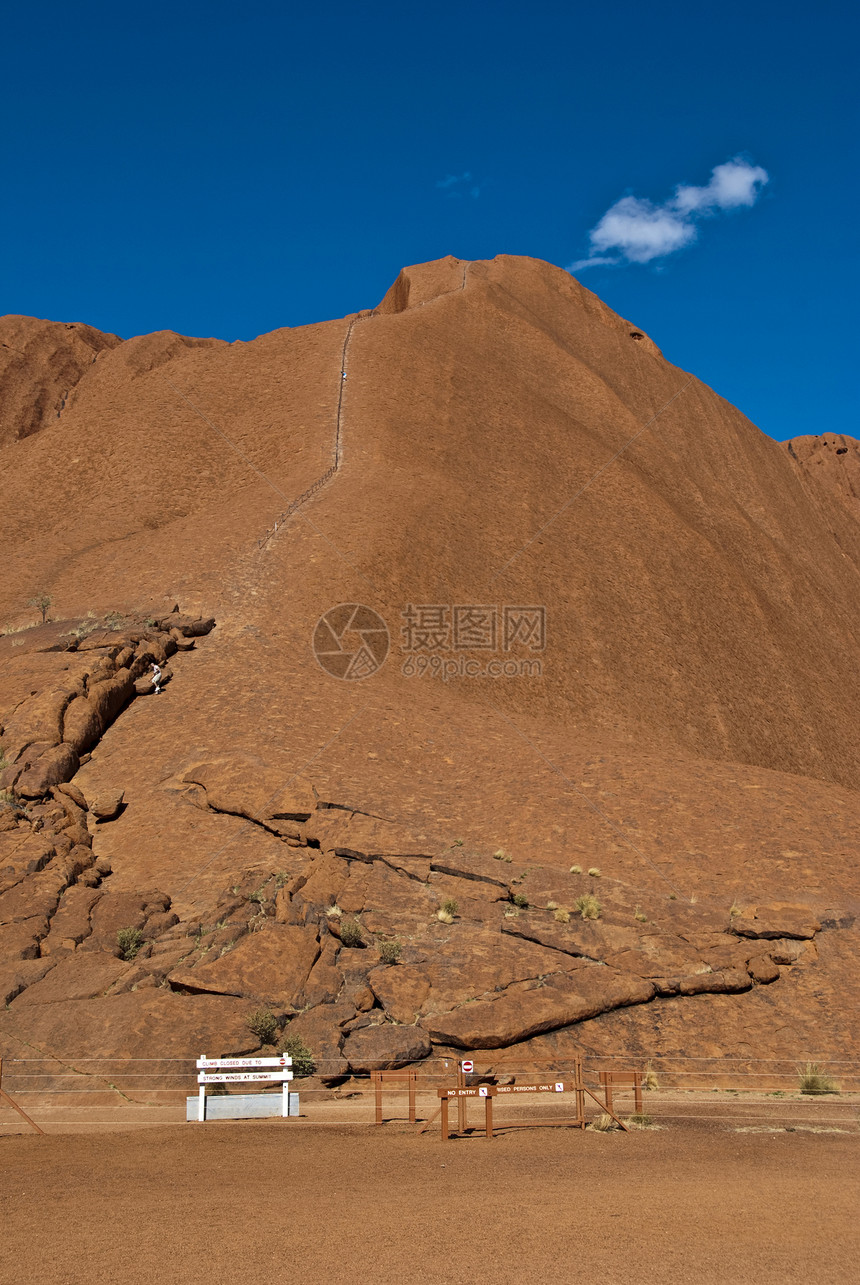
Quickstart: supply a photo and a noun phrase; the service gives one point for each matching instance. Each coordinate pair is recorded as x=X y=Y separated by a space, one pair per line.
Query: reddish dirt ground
x=244 y=1201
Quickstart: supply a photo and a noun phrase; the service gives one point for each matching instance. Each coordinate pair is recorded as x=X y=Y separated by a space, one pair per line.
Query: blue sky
x=227 y=169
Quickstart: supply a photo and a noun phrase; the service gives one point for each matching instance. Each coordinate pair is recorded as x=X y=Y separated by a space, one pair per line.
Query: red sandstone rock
x=385 y=1047
x=143 y=1024
x=520 y=1013
x=763 y=970
x=78 y=976
x=769 y=924
x=40 y=364
x=105 y=806
x=321 y=1030
x=53 y=765
x=16 y=976
x=325 y=980
x=729 y=981
x=647 y=750
x=272 y=966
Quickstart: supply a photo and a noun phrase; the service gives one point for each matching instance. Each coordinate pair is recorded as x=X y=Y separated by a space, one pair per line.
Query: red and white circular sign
x=467 y=1067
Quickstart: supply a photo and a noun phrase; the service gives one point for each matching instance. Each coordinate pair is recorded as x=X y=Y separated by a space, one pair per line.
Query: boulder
x=271 y=966
x=321 y=882
x=523 y=1012
x=38 y=720
x=54 y=765
x=245 y=785
x=385 y=1048
x=353 y=895
x=768 y=923
x=159 y=923
x=787 y=950
x=325 y=981
x=72 y=792
x=36 y=895
x=363 y=999
x=77 y=976
x=727 y=982
x=107 y=805
x=401 y=990
x=15 y=977
x=321 y=1029
x=88 y=717
x=20 y=940
x=187 y=626
x=110 y=914
x=392 y=901
x=763 y=970
x=71 y=923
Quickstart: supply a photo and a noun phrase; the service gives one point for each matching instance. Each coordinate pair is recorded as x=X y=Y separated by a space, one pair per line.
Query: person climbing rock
x=156 y=679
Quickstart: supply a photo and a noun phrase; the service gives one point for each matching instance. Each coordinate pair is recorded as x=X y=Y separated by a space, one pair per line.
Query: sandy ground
x=729 y=1193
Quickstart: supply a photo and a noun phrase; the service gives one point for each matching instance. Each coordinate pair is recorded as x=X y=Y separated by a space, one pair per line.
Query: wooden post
x=637 y=1091
x=413 y=1081
x=489 y=1114
x=461 y=1102
x=580 y=1093
x=5 y=1096
x=444 y=1105
x=377 y=1086
x=606 y=1085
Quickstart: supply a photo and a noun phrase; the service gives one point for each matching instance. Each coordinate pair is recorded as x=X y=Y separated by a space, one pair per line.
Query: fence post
x=580 y=1092
x=14 y=1105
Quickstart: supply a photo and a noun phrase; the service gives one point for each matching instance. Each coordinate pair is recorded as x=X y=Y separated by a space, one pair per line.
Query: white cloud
x=733 y=184
x=641 y=231
x=634 y=230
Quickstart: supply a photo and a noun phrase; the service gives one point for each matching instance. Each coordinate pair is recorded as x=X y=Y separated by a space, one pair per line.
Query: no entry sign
x=467 y=1067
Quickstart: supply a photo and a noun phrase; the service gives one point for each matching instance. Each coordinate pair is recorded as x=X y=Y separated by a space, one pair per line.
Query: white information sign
x=237 y=1077
x=242 y=1070
x=240 y=1063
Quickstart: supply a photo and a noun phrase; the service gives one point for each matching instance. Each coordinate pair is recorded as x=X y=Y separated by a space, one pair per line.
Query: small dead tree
x=43 y=602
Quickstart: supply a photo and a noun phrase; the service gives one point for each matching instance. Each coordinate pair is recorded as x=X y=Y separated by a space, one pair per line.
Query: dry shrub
x=588 y=906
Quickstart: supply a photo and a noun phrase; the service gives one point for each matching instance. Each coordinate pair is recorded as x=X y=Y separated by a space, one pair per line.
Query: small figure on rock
x=156 y=679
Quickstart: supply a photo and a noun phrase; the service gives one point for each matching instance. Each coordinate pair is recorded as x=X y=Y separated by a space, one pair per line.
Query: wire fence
x=739 y=1091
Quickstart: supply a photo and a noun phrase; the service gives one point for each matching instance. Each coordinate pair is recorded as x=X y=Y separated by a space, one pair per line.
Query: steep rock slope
x=491 y=436
x=41 y=363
